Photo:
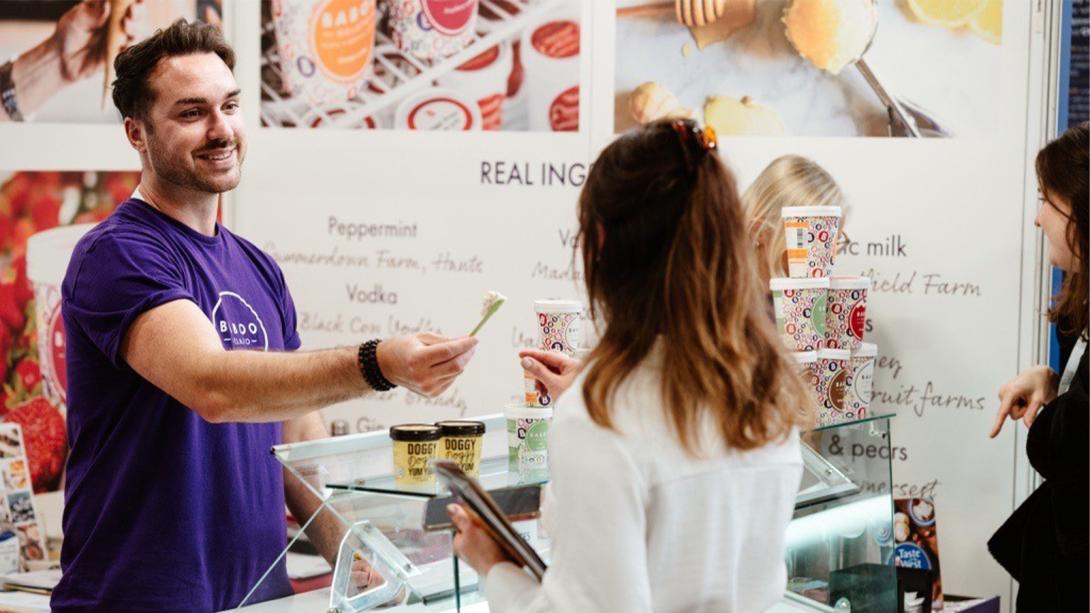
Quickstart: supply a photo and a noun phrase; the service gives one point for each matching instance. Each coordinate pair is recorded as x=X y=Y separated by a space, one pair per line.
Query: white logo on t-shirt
x=238 y=324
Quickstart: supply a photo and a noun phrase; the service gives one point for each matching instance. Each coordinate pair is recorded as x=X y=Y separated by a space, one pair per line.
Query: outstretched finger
x=1001 y=415
x=440 y=352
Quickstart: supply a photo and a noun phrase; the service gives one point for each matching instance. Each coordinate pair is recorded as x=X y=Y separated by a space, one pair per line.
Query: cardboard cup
x=47 y=259
x=527 y=435
x=846 y=314
x=834 y=379
x=800 y=306
x=861 y=390
x=810 y=235
x=438 y=109
x=559 y=325
x=484 y=78
x=550 y=54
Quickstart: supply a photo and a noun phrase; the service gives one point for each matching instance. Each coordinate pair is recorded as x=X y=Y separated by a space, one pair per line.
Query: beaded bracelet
x=369 y=368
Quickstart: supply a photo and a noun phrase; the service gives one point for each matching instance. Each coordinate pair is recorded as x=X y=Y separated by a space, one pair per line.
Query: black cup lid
x=415 y=432
x=458 y=427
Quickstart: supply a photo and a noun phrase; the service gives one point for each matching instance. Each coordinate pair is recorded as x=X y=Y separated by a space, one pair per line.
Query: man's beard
x=167 y=167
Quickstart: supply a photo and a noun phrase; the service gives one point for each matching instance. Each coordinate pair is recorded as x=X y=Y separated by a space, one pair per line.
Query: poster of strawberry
x=32 y=391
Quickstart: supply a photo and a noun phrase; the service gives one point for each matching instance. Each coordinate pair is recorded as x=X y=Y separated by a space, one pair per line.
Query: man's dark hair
x=132 y=94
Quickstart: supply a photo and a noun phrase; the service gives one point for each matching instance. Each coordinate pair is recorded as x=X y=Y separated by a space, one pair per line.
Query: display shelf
x=495 y=474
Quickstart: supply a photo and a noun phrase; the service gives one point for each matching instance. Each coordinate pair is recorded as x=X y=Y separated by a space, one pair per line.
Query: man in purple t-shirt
x=181 y=368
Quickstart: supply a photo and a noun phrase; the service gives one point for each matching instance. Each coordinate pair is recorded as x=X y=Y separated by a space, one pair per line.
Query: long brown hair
x=1062 y=168
x=666 y=253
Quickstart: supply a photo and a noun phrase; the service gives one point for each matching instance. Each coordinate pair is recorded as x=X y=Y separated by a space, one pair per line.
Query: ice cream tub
x=559 y=325
x=834 y=378
x=461 y=442
x=339 y=117
x=532 y=395
x=527 y=438
x=438 y=109
x=861 y=390
x=415 y=448
x=846 y=315
x=47 y=259
x=810 y=235
x=800 y=306
x=484 y=78
x=432 y=29
x=325 y=47
x=550 y=56
x=807 y=369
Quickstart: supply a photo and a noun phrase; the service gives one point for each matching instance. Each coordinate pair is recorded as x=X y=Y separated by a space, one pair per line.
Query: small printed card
x=21 y=536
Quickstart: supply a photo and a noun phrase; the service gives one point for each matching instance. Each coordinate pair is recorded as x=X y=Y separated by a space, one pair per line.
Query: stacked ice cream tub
x=822 y=317
x=559 y=328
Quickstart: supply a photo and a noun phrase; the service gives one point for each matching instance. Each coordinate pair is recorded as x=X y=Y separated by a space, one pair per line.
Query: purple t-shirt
x=165 y=511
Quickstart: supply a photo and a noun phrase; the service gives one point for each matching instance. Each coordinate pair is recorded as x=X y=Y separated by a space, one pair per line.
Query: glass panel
x=840 y=543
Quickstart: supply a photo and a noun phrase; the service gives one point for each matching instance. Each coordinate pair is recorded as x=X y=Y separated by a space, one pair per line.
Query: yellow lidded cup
x=461 y=442
x=415 y=446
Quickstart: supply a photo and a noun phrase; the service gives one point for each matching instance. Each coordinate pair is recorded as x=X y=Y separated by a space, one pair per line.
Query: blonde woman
x=790 y=180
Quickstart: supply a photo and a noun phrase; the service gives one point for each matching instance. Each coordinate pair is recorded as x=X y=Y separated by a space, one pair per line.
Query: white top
x=636 y=524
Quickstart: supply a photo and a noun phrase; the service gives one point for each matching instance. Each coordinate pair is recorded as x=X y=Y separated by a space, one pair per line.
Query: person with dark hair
x=1045 y=544
x=182 y=369
x=673 y=471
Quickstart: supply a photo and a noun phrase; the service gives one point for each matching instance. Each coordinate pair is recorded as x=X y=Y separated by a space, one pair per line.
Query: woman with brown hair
x=675 y=463
x=1044 y=544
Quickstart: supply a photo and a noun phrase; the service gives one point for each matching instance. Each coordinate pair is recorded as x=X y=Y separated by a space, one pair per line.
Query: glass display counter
x=838 y=545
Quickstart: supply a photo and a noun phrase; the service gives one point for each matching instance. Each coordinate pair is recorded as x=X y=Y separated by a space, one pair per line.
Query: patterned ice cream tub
x=47 y=259
x=800 y=306
x=861 y=390
x=432 y=29
x=559 y=325
x=846 y=315
x=810 y=235
x=834 y=379
x=325 y=47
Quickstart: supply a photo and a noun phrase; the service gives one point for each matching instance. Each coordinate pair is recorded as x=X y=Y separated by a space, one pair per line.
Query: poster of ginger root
x=813 y=68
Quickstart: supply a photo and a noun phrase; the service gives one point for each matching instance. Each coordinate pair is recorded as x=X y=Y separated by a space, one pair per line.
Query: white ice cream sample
x=493 y=300
x=830 y=33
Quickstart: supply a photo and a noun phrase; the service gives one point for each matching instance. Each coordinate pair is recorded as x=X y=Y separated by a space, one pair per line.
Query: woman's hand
x=80 y=37
x=473 y=544
x=1023 y=396
x=555 y=371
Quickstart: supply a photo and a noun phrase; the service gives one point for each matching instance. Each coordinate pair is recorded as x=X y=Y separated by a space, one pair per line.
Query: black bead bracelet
x=368 y=363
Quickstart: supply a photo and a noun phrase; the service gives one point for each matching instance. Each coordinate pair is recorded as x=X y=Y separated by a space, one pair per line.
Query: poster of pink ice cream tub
x=48 y=254
x=810 y=234
x=432 y=29
x=859 y=393
x=800 y=306
x=834 y=379
x=439 y=109
x=325 y=47
x=550 y=56
x=484 y=78
x=846 y=315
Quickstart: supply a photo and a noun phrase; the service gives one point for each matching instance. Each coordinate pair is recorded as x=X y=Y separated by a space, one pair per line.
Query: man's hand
x=1023 y=396
x=80 y=37
x=555 y=371
x=473 y=544
x=424 y=363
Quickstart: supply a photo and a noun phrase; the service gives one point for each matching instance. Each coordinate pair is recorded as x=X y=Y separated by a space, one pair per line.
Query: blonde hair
x=790 y=180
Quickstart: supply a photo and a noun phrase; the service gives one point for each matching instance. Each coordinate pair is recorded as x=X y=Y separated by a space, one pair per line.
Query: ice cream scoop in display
x=833 y=34
x=493 y=300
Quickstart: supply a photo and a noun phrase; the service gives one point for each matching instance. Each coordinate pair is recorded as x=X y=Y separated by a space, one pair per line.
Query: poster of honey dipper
x=452 y=65
x=812 y=68
x=64 y=50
